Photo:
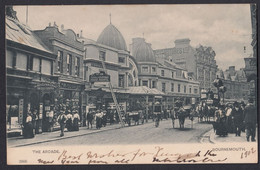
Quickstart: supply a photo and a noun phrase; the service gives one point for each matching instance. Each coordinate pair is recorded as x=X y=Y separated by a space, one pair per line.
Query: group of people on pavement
x=68 y=119
x=236 y=117
x=30 y=126
x=99 y=115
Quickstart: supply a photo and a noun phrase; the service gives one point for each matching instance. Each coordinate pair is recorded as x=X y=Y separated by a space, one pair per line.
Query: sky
x=224 y=27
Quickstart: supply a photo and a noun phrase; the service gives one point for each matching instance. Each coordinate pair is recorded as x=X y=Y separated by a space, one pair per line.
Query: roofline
x=26 y=48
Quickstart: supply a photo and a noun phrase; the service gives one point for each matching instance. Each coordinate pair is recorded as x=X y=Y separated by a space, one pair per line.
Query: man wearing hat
x=62 y=121
x=237 y=116
x=250 y=120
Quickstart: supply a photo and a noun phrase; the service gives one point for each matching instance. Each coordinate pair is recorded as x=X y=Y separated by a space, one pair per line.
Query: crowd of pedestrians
x=236 y=118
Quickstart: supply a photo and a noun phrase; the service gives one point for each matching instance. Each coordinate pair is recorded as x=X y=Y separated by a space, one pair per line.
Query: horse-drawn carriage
x=183 y=112
x=135 y=116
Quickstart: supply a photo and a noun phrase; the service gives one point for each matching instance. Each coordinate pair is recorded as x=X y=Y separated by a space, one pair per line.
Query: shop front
x=17 y=101
x=70 y=95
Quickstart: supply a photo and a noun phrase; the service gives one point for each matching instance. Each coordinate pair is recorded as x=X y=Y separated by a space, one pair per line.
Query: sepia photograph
x=131 y=84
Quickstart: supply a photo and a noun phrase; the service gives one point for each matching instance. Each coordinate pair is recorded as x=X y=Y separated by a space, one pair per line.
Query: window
x=184 y=89
x=172 y=87
x=21 y=61
x=178 y=73
x=69 y=58
x=30 y=62
x=179 y=88
x=46 y=67
x=195 y=91
x=121 y=81
x=153 y=84
x=85 y=72
x=134 y=73
x=163 y=87
x=190 y=90
x=145 y=69
x=102 y=55
x=145 y=83
x=36 y=64
x=121 y=59
x=60 y=61
x=153 y=69
x=10 y=58
x=162 y=72
x=172 y=74
x=77 y=66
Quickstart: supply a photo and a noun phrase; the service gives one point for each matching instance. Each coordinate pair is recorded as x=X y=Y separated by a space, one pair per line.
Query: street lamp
x=218 y=83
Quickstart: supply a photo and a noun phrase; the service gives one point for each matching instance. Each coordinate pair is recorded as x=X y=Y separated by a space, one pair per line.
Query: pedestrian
x=250 y=120
x=76 y=120
x=172 y=116
x=69 y=120
x=104 y=118
x=28 y=127
x=34 y=121
x=221 y=122
x=237 y=116
x=62 y=118
x=90 y=118
x=230 y=123
x=98 y=119
x=242 y=106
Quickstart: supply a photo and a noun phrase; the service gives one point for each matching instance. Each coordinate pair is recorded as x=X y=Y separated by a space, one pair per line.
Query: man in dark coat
x=237 y=115
x=62 y=118
x=250 y=120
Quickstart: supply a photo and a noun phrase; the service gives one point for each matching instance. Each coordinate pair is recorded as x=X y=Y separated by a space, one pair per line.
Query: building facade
x=68 y=65
x=236 y=83
x=199 y=62
x=31 y=82
x=163 y=75
x=251 y=61
x=110 y=48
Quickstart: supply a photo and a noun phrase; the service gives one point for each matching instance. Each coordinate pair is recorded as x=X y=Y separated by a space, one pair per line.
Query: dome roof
x=143 y=52
x=112 y=37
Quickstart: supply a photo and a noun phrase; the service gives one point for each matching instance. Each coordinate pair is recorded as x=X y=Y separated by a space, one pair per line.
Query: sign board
x=193 y=100
x=20 y=115
x=99 y=77
x=40 y=111
x=15 y=122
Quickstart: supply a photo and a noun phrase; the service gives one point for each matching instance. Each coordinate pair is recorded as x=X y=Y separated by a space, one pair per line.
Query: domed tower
x=142 y=51
x=112 y=37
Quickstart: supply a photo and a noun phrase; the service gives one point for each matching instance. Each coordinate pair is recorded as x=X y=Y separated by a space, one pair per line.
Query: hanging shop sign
x=99 y=77
x=20 y=117
x=70 y=86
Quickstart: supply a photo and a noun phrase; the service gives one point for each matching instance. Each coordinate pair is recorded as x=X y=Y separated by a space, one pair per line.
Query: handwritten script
x=158 y=155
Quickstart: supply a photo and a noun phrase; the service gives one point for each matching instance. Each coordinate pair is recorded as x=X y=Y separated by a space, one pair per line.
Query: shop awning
x=143 y=90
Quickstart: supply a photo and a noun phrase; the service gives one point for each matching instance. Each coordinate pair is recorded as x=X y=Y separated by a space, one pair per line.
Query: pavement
x=230 y=138
x=20 y=141
x=207 y=134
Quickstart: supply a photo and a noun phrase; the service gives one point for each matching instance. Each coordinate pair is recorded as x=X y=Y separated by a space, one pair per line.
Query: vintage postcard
x=131 y=84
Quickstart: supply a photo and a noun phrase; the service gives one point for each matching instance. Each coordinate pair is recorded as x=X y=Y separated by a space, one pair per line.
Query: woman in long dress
x=28 y=128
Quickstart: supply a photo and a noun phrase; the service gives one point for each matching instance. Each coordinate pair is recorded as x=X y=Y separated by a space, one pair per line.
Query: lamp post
x=218 y=83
